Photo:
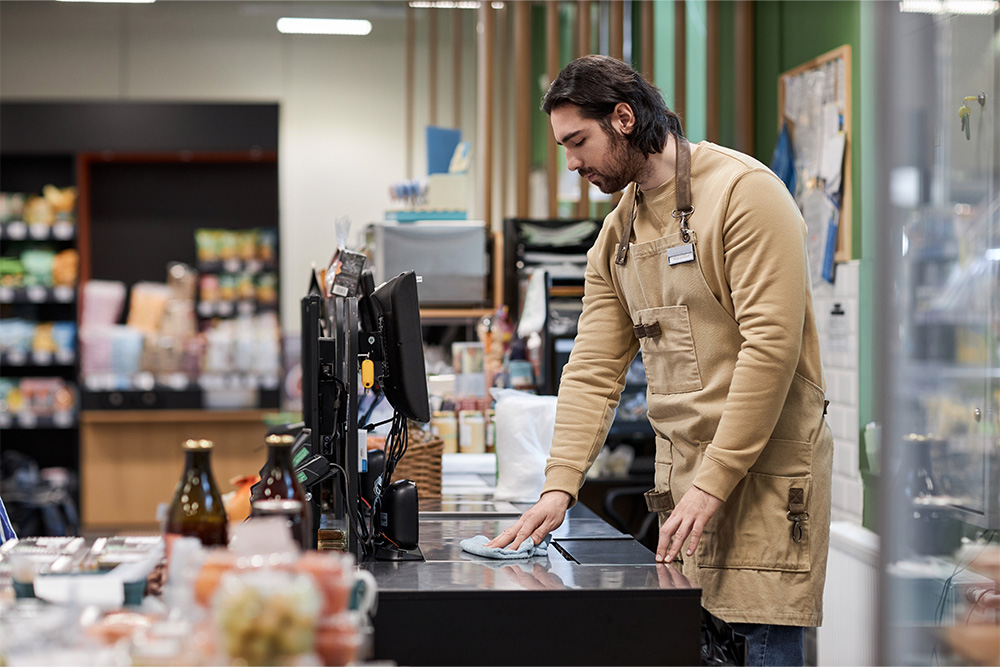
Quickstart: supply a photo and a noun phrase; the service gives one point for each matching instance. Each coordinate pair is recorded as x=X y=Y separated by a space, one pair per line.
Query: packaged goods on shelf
x=37 y=343
x=103 y=301
x=40 y=265
x=26 y=401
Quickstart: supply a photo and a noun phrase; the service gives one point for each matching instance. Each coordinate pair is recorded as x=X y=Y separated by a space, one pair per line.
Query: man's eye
x=579 y=143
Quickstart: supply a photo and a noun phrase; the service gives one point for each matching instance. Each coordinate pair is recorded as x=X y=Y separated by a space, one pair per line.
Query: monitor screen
x=403 y=380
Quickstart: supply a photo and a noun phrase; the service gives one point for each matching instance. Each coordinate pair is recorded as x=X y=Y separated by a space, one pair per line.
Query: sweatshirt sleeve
x=593 y=378
x=766 y=269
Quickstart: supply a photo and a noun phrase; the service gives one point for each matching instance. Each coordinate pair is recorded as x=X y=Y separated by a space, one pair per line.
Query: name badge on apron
x=680 y=254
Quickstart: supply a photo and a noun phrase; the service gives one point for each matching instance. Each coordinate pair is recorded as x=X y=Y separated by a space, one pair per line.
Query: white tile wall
x=840 y=367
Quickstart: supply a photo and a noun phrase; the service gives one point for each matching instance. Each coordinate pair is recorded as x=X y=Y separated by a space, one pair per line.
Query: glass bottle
x=279 y=481
x=197 y=509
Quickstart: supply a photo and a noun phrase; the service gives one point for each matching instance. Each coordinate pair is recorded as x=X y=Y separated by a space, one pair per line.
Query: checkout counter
x=598 y=598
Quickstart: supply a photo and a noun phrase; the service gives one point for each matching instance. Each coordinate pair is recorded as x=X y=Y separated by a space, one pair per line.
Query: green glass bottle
x=279 y=481
x=197 y=509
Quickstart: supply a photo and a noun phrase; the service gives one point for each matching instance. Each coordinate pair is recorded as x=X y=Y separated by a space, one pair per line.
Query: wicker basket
x=422 y=464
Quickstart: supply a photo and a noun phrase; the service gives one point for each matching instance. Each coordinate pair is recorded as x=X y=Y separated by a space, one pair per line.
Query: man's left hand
x=686 y=524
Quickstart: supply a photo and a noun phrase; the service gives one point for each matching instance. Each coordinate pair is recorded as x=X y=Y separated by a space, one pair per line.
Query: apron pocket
x=669 y=358
x=755 y=529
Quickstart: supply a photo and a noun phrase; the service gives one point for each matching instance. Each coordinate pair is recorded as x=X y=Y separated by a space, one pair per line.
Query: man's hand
x=544 y=516
x=687 y=520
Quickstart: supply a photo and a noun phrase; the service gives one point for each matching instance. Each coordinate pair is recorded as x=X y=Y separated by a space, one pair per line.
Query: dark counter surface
x=598 y=597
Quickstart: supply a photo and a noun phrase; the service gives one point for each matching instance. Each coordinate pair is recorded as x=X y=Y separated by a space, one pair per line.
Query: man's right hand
x=544 y=516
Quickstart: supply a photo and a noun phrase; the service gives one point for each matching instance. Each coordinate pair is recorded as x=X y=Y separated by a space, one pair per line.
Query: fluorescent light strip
x=127 y=2
x=451 y=4
x=977 y=7
x=964 y=7
x=295 y=26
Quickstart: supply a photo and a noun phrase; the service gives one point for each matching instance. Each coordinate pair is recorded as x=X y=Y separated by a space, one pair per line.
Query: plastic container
x=472 y=432
x=446 y=426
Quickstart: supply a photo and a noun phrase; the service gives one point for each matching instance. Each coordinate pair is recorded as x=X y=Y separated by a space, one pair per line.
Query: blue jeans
x=772 y=644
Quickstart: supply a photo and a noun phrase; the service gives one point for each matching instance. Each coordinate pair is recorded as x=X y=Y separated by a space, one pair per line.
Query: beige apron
x=762 y=558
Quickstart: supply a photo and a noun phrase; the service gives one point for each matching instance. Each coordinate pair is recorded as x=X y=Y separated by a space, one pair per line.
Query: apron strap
x=683 y=209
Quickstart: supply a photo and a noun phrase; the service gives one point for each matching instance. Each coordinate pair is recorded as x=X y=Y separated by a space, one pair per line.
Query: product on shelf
x=23 y=341
x=31 y=399
x=147 y=304
x=65 y=268
x=11 y=206
x=37 y=264
x=103 y=301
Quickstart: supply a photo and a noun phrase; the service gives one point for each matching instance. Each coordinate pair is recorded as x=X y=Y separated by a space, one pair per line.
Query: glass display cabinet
x=938 y=335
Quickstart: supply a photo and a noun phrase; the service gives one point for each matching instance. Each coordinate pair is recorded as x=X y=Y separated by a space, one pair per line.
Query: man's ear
x=623 y=118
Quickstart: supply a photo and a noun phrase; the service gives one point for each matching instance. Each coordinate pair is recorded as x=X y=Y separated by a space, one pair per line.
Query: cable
x=360 y=528
x=378 y=396
x=960 y=567
x=979 y=598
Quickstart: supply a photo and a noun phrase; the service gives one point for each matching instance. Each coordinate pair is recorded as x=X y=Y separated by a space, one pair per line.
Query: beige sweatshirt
x=751 y=251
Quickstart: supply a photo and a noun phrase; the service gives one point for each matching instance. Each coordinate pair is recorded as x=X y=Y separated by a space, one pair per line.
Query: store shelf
x=17 y=230
x=29 y=422
x=164 y=399
x=252 y=266
x=955 y=318
x=37 y=294
x=920 y=372
x=453 y=313
x=37 y=360
x=566 y=291
x=171 y=416
x=226 y=309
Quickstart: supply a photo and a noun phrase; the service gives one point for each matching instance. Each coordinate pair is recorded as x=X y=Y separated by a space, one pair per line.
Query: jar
x=447 y=429
x=491 y=431
x=472 y=432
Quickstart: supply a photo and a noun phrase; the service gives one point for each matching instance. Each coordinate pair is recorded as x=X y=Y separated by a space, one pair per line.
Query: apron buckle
x=647 y=330
x=797 y=513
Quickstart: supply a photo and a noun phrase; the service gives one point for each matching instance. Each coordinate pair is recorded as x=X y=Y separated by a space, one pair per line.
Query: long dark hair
x=596 y=84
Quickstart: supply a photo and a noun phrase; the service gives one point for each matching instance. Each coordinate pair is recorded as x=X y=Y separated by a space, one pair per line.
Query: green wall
x=786 y=35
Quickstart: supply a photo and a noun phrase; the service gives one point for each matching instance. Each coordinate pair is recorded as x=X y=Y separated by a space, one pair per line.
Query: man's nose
x=572 y=163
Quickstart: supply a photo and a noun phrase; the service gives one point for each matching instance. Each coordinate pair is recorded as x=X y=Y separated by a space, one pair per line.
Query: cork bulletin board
x=814 y=101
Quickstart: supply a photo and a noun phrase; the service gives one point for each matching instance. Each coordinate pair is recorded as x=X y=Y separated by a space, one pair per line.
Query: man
x=702 y=267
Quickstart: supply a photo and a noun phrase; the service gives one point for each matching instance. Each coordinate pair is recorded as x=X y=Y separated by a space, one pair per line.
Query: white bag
x=525 y=424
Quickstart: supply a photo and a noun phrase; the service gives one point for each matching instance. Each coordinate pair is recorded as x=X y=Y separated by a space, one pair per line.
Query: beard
x=625 y=164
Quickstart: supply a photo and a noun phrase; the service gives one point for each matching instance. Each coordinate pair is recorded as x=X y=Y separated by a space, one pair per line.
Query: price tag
x=231 y=265
x=64 y=357
x=39 y=231
x=63 y=419
x=205 y=308
x=246 y=307
x=42 y=357
x=17 y=357
x=6 y=294
x=224 y=308
x=17 y=230
x=37 y=294
x=63 y=230
x=27 y=420
x=63 y=293
x=5 y=420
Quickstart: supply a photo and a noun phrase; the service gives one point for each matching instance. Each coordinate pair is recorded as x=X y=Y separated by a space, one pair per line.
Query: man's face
x=604 y=157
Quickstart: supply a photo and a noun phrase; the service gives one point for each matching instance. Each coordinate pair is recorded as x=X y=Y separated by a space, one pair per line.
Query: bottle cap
x=280 y=440
x=195 y=445
x=276 y=506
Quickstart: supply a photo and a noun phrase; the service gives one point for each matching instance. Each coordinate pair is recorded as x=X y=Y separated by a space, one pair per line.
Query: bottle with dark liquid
x=279 y=482
x=197 y=509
